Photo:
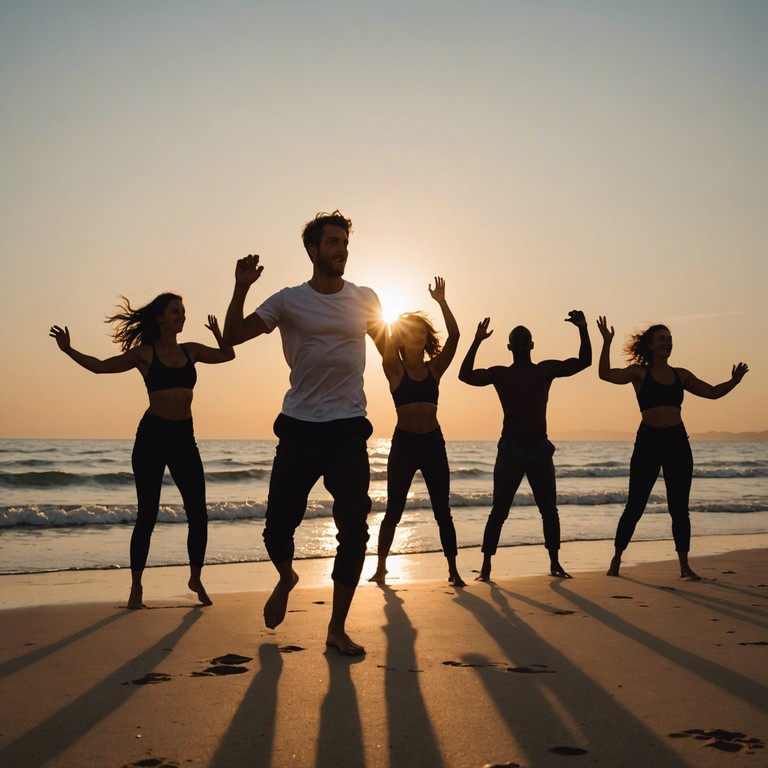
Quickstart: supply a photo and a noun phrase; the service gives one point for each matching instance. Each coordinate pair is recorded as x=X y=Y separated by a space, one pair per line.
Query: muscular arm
x=476 y=377
x=712 y=391
x=238 y=328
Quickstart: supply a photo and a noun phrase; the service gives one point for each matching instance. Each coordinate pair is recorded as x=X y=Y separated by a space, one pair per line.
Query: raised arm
x=238 y=328
x=712 y=391
x=204 y=354
x=479 y=377
x=440 y=362
x=576 y=316
x=117 y=364
x=604 y=370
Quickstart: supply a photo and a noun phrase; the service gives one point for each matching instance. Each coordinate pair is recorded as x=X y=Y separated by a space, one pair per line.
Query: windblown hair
x=433 y=346
x=134 y=327
x=637 y=347
x=313 y=230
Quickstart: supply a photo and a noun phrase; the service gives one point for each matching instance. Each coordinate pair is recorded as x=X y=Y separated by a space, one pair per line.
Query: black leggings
x=658 y=448
x=162 y=443
x=409 y=452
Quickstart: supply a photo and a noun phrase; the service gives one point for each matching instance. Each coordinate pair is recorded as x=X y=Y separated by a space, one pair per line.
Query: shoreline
x=168 y=583
x=522 y=671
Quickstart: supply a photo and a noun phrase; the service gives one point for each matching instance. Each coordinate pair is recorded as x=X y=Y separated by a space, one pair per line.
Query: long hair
x=637 y=347
x=134 y=327
x=433 y=346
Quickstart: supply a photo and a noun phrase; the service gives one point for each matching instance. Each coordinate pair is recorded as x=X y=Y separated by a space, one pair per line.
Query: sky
x=540 y=155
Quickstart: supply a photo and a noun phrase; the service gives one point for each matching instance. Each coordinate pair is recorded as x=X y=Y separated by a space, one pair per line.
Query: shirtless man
x=524 y=450
x=322 y=427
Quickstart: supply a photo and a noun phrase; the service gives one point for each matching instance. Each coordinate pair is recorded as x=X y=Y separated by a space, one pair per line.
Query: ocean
x=70 y=504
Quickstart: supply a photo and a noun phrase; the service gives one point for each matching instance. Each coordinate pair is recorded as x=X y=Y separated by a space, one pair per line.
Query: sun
x=392 y=304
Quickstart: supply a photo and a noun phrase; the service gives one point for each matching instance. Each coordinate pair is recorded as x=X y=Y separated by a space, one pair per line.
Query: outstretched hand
x=576 y=316
x=213 y=326
x=438 y=294
x=607 y=334
x=738 y=371
x=248 y=270
x=482 y=331
x=62 y=337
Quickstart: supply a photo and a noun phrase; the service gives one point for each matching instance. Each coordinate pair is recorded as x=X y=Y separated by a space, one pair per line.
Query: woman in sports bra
x=661 y=442
x=418 y=443
x=165 y=436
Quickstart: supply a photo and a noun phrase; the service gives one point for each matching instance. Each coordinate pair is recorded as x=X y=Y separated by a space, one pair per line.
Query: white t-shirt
x=323 y=339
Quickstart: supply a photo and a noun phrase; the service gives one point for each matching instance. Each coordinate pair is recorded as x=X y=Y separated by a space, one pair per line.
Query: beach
x=645 y=669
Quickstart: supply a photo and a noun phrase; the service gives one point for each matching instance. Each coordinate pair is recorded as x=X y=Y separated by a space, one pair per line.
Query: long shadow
x=250 y=738
x=522 y=699
x=14 y=665
x=725 y=607
x=411 y=735
x=69 y=724
x=736 y=684
x=340 y=738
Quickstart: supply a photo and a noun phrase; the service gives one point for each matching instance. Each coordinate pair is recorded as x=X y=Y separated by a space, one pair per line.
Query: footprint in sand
x=290 y=648
x=719 y=738
x=150 y=679
x=153 y=762
x=568 y=751
x=564 y=613
x=621 y=597
x=533 y=669
x=229 y=664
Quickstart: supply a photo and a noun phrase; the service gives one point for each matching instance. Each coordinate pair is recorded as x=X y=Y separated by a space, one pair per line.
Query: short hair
x=637 y=347
x=134 y=327
x=432 y=346
x=313 y=230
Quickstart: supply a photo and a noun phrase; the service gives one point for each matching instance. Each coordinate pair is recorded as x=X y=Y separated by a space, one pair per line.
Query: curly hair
x=134 y=327
x=637 y=347
x=433 y=346
x=312 y=233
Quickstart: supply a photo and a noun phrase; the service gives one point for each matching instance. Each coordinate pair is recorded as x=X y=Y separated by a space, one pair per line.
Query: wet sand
x=645 y=669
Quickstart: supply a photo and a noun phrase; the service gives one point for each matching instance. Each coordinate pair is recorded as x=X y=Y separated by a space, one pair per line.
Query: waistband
x=404 y=434
x=674 y=431
x=179 y=425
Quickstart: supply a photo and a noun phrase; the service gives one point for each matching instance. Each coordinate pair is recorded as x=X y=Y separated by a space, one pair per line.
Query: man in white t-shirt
x=322 y=427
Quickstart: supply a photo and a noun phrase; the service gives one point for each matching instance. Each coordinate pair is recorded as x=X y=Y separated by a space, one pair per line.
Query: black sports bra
x=411 y=391
x=161 y=376
x=652 y=394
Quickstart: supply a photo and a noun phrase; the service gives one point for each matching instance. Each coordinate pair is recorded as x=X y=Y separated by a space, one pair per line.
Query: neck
x=325 y=283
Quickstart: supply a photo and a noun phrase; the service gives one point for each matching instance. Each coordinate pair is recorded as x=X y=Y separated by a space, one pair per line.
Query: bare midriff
x=662 y=416
x=417 y=417
x=174 y=404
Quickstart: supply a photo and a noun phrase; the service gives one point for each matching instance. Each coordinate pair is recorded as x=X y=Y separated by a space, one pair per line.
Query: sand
x=643 y=670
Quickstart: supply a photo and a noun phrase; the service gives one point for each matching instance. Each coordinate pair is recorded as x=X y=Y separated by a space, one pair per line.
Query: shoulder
x=364 y=294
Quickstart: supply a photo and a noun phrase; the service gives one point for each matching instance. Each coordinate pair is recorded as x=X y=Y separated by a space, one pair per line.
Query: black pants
x=516 y=459
x=409 y=452
x=162 y=443
x=336 y=451
x=656 y=449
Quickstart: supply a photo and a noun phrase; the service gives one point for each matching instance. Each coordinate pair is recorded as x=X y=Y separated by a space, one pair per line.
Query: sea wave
x=61 y=516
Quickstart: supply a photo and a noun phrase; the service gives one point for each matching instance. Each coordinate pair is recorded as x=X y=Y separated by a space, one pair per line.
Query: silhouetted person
x=322 y=428
x=418 y=442
x=165 y=436
x=661 y=441
x=524 y=449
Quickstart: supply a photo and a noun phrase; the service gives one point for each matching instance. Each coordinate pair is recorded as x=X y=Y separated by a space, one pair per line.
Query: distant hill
x=607 y=435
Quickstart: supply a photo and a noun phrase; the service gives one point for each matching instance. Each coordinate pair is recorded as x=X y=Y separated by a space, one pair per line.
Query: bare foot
x=344 y=644
x=276 y=606
x=197 y=587
x=686 y=572
x=613 y=568
x=484 y=575
x=557 y=570
x=455 y=579
x=135 y=600
x=379 y=576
